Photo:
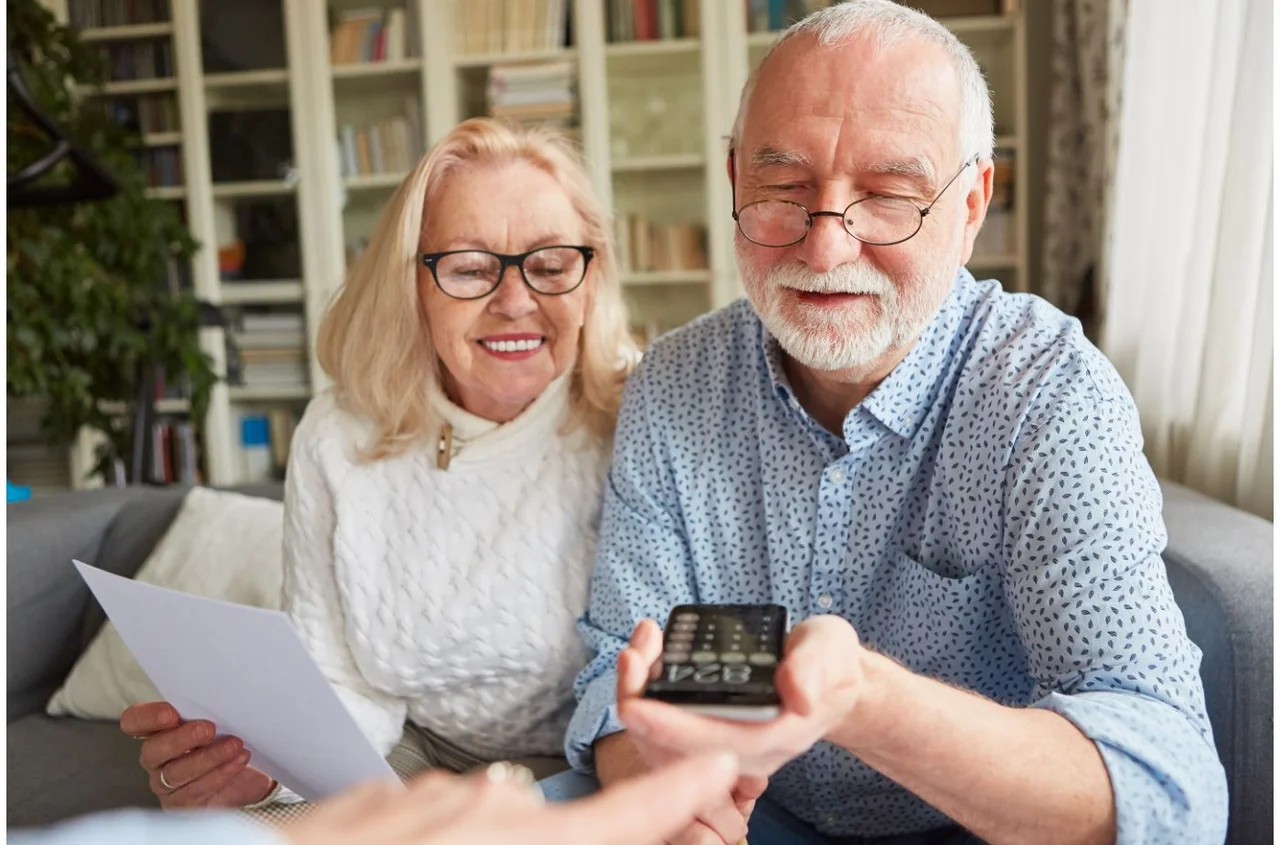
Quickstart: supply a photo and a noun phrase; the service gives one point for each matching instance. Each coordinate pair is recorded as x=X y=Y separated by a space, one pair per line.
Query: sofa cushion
x=60 y=768
x=47 y=598
x=136 y=531
x=222 y=545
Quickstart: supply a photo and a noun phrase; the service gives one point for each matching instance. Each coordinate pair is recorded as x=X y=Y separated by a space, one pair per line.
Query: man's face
x=826 y=126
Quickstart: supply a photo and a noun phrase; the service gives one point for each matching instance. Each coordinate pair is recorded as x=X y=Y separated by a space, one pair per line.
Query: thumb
x=660 y=803
x=799 y=678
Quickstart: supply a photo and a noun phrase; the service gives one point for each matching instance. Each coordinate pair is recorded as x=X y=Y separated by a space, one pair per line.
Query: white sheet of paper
x=244 y=669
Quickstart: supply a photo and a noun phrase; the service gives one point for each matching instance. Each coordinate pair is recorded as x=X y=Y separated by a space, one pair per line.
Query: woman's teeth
x=512 y=345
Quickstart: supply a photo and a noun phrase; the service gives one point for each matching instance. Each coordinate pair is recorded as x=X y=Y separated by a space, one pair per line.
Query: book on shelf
x=162 y=165
x=645 y=246
x=534 y=92
x=364 y=36
x=510 y=26
x=175 y=457
x=146 y=114
x=272 y=458
x=652 y=20
x=92 y=14
x=147 y=59
x=774 y=15
x=392 y=145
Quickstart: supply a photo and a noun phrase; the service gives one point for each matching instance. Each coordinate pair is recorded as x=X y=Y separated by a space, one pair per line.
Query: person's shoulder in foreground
x=150 y=827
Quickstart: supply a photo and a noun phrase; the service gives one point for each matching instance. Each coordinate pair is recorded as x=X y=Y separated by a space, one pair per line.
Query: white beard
x=837 y=338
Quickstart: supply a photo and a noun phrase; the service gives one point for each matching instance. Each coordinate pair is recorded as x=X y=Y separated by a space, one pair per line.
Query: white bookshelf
x=630 y=96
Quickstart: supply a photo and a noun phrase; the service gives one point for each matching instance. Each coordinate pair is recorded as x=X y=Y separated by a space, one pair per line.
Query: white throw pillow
x=221 y=545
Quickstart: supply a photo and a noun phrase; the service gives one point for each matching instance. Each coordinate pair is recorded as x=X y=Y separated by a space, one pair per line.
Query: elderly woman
x=442 y=498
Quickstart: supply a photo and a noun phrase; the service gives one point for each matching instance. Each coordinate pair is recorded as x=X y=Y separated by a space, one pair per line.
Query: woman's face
x=499 y=353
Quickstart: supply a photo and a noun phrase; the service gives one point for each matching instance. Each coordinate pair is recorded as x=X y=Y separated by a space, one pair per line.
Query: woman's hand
x=187 y=767
x=494 y=807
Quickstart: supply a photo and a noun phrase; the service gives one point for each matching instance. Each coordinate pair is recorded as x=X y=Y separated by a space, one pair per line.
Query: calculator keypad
x=731 y=651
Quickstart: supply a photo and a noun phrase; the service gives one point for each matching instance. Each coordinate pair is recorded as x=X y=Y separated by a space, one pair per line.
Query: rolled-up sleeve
x=1104 y=638
x=643 y=568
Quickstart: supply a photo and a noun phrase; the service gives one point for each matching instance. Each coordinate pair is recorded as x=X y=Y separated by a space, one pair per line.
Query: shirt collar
x=903 y=400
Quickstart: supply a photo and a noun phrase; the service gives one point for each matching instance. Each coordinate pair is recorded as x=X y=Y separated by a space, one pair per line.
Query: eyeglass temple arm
x=733 y=183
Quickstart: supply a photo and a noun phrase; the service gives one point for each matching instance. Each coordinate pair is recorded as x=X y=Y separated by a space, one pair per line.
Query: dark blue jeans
x=770 y=824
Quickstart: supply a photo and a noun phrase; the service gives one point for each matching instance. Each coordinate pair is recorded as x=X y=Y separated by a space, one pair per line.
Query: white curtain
x=1188 y=250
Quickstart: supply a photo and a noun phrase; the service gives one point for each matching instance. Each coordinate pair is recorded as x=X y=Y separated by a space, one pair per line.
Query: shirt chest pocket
x=943 y=625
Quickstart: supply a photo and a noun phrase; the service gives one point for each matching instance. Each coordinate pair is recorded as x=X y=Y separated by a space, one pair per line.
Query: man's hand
x=720 y=822
x=441 y=808
x=821 y=680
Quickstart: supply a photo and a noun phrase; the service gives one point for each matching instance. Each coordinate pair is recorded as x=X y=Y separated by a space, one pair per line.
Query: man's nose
x=828 y=243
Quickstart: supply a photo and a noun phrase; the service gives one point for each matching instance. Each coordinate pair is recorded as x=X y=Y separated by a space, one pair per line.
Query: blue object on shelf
x=254 y=431
x=17 y=493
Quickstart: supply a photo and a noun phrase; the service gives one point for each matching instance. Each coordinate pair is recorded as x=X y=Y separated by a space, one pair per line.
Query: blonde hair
x=374 y=342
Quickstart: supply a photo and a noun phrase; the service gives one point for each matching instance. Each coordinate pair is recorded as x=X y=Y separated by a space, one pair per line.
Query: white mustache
x=856 y=279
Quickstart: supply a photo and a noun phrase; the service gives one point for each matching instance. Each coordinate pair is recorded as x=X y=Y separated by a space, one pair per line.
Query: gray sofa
x=1219 y=561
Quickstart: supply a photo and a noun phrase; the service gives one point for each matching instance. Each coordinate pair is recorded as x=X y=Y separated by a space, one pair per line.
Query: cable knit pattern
x=447 y=597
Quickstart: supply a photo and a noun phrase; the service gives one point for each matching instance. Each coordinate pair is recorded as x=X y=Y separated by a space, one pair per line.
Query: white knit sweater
x=446 y=597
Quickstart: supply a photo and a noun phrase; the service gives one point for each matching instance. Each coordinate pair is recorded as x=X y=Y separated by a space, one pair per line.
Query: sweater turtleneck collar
x=474 y=437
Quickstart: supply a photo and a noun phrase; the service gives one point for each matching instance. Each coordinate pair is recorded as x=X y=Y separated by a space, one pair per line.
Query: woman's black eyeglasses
x=476 y=273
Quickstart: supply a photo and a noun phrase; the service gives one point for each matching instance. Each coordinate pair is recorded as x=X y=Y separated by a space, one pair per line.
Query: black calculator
x=720 y=660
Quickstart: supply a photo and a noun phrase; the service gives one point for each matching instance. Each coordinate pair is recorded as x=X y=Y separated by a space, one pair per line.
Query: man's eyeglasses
x=874 y=220
x=476 y=273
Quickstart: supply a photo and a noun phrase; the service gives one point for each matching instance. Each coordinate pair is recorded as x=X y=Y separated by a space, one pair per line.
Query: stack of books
x=269 y=350
x=539 y=93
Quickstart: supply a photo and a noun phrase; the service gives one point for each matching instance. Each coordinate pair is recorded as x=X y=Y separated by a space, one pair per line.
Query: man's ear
x=975 y=203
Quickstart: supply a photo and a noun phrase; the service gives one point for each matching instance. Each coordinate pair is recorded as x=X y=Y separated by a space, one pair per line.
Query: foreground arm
x=438 y=808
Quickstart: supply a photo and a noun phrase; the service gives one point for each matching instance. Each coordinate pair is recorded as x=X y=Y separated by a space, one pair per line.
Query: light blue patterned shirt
x=987 y=519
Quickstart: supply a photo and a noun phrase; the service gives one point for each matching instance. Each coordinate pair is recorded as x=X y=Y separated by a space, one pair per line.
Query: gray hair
x=890 y=23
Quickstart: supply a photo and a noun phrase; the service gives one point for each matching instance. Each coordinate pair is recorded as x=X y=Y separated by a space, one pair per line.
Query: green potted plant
x=89 y=304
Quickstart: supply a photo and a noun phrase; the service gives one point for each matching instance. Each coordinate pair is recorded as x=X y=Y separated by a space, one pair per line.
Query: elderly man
x=943 y=480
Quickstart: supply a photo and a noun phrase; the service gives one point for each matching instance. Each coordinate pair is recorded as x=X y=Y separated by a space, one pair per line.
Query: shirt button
x=824 y=601
x=837 y=475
